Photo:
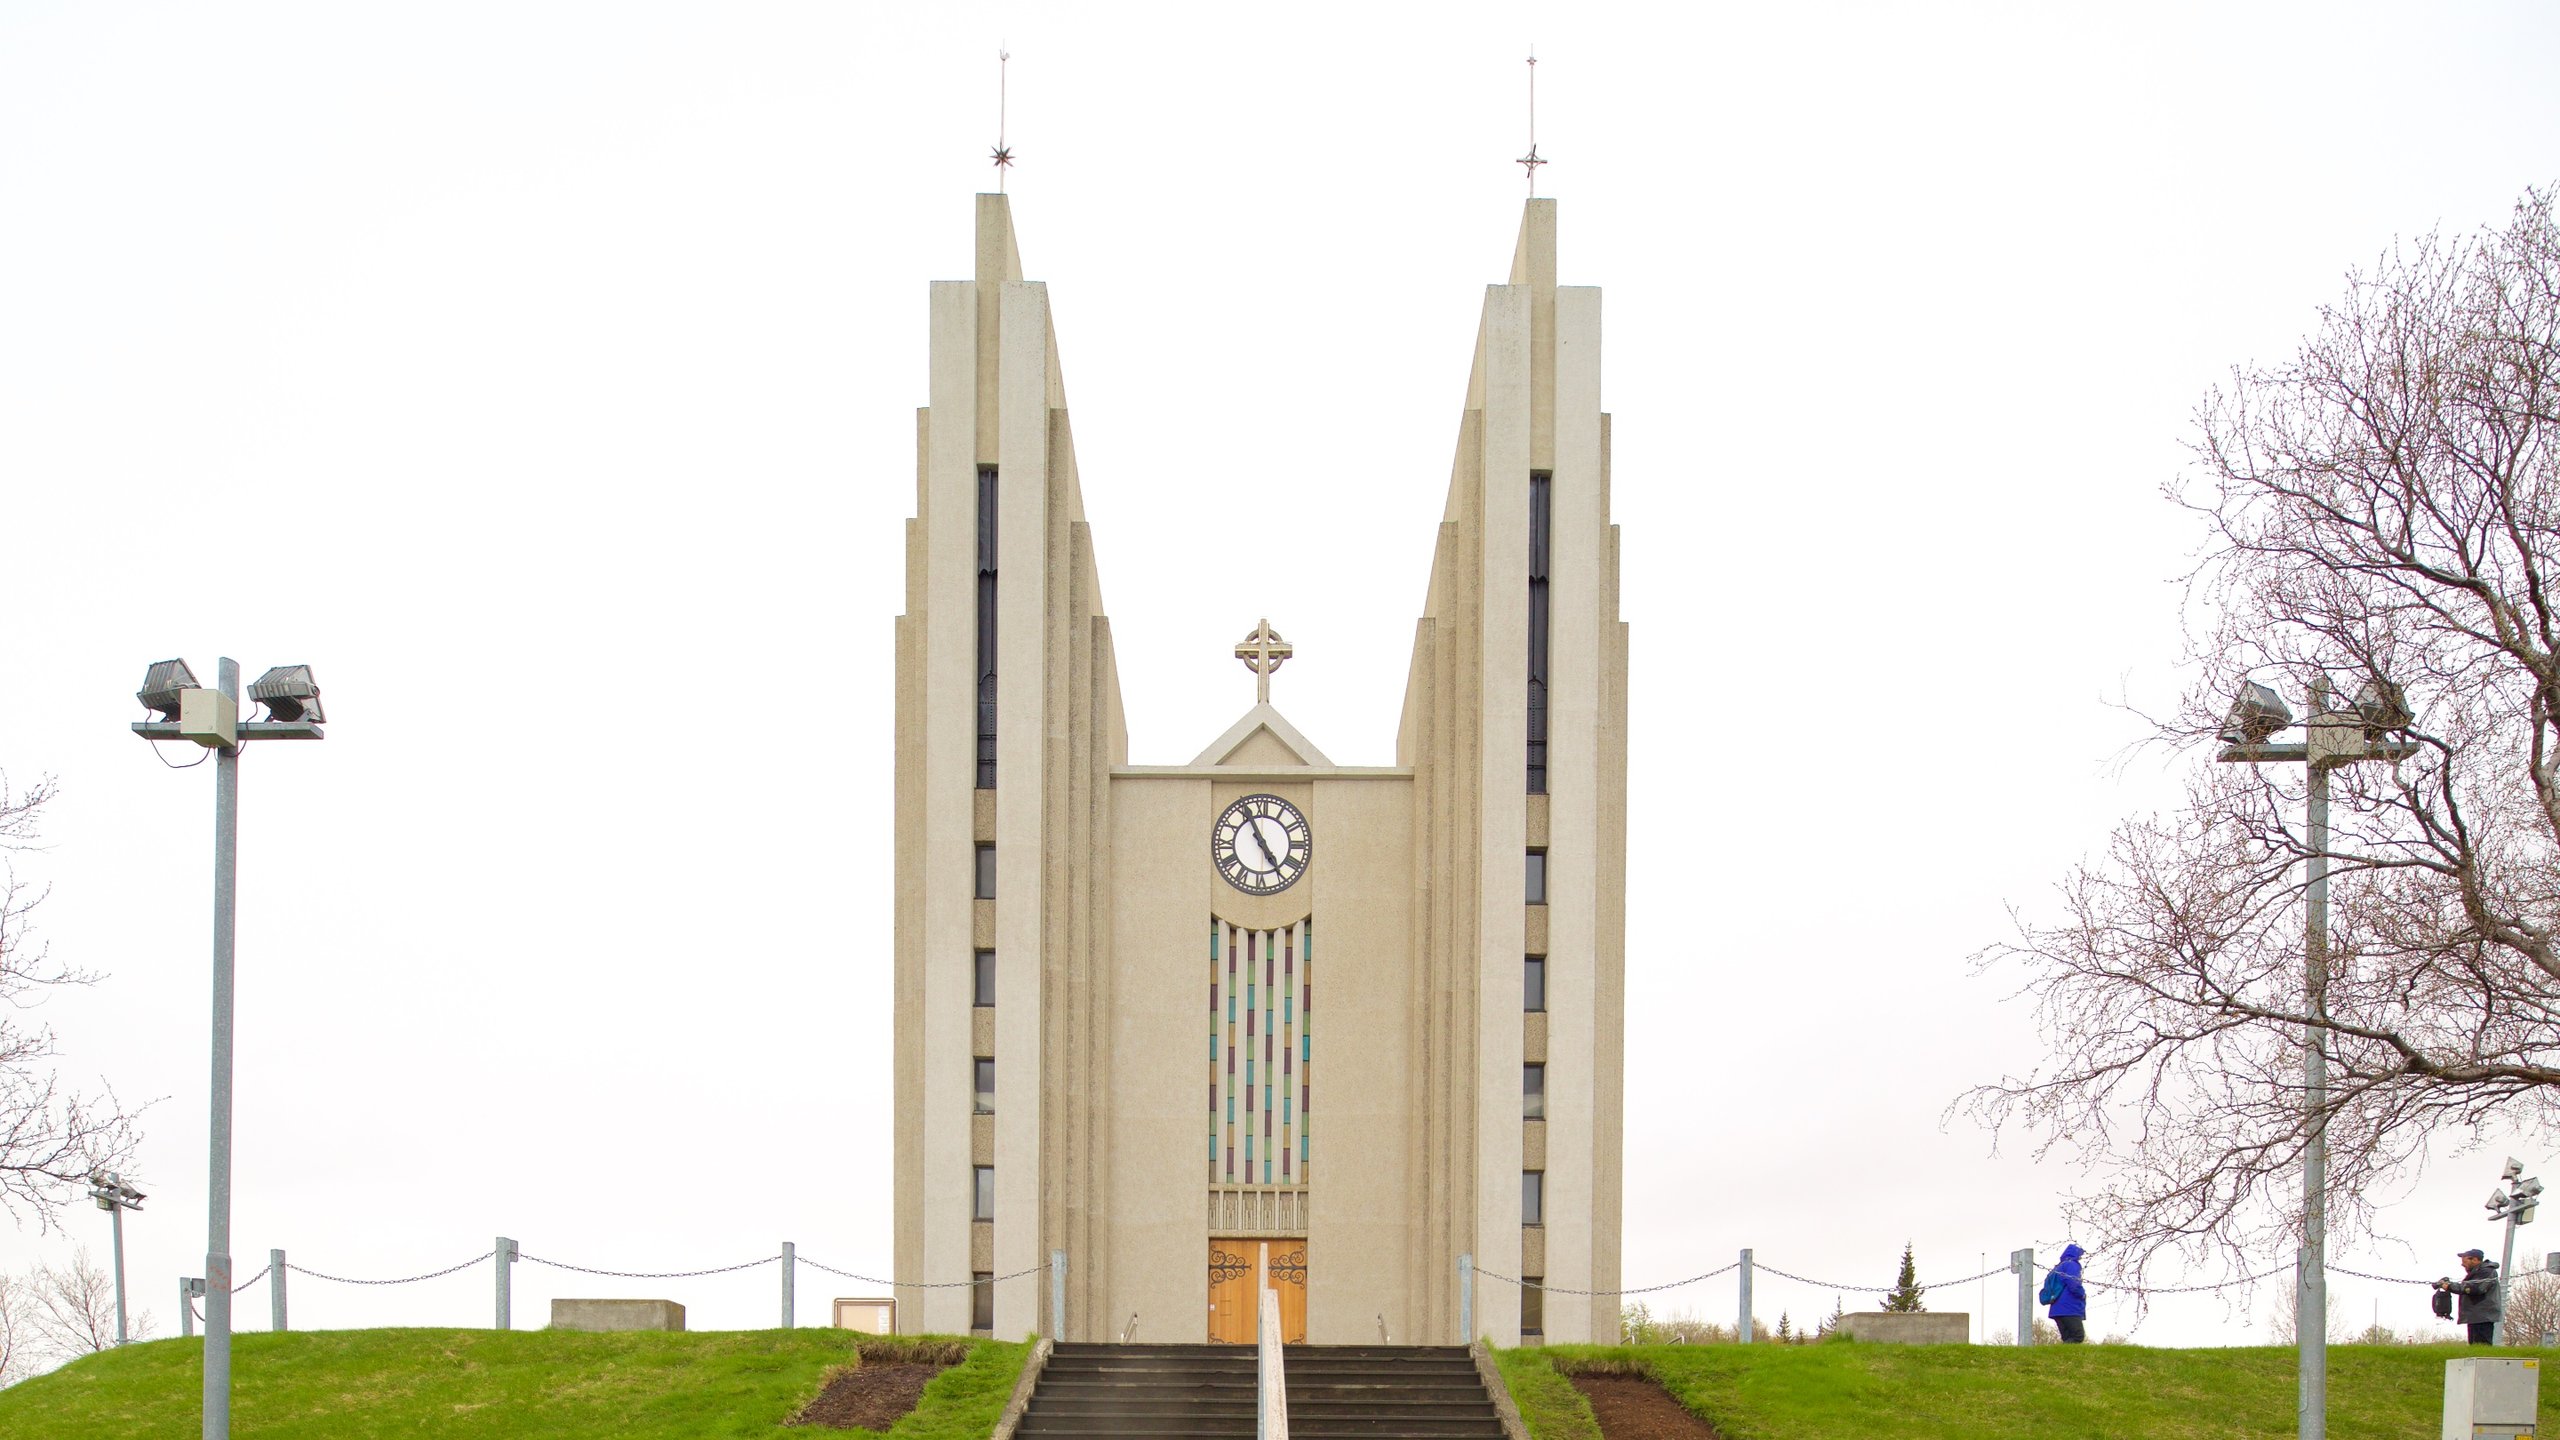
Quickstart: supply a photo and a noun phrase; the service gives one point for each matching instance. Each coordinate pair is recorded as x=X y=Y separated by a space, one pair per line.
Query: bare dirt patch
x=1631 y=1407
x=871 y=1397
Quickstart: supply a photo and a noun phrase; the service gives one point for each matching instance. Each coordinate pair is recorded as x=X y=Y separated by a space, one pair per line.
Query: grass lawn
x=1972 y=1392
x=491 y=1385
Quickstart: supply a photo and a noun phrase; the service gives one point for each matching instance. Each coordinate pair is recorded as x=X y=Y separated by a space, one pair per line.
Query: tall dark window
x=1533 y=987
x=986 y=978
x=984 y=1073
x=1539 y=546
x=1534 y=882
x=983 y=1201
x=986 y=627
x=987 y=873
x=1533 y=1197
x=982 y=1300
x=1533 y=1306
x=1533 y=1091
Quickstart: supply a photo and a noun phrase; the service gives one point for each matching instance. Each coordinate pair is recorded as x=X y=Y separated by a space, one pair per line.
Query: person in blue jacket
x=2068 y=1299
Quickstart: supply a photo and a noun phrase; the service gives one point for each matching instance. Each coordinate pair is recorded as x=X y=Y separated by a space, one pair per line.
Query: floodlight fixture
x=2256 y=713
x=162 y=684
x=2496 y=1203
x=289 y=693
x=2515 y=1167
x=2384 y=707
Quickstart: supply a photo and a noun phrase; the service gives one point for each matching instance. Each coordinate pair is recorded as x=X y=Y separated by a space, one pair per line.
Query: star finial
x=1530 y=162
x=1002 y=152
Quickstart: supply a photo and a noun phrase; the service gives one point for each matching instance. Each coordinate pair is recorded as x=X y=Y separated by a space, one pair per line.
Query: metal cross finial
x=1530 y=162
x=1003 y=153
x=1262 y=652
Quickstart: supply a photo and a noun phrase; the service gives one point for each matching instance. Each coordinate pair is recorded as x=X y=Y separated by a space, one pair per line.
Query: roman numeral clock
x=1261 y=844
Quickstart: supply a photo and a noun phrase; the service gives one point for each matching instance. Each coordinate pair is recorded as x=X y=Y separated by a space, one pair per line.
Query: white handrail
x=1271 y=1400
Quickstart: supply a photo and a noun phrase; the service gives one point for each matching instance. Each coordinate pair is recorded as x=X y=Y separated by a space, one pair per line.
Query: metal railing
x=1271 y=1388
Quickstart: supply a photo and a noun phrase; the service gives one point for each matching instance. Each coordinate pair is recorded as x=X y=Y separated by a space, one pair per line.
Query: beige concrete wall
x=1159 y=1226
x=1574 y=702
x=1501 y=834
x=1022 y=833
x=1360 y=1135
x=949 y=772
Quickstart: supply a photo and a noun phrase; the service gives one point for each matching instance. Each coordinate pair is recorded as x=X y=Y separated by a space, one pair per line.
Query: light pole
x=211 y=718
x=2333 y=738
x=2515 y=1206
x=116 y=1197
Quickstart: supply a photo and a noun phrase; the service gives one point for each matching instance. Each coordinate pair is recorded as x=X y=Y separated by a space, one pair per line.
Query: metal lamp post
x=116 y=1197
x=2514 y=1205
x=2333 y=738
x=211 y=718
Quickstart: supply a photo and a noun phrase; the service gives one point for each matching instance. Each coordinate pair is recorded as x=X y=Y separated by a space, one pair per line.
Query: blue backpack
x=2052 y=1290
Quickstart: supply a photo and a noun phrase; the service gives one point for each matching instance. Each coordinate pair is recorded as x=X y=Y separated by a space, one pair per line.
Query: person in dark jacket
x=2070 y=1308
x=2484 y=1300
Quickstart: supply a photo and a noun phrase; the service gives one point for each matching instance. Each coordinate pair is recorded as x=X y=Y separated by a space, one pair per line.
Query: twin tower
x=1261 y=1019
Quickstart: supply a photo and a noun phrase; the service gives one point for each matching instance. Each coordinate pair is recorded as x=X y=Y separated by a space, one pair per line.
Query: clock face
x=1261 y=844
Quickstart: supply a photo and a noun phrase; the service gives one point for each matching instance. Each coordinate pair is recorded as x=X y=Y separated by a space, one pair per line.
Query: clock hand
x=1255 y=830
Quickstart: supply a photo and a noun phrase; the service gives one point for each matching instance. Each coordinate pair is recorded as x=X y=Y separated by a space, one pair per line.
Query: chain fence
x=1760 y=1267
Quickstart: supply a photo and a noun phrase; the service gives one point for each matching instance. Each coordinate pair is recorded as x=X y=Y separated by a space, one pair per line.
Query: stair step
x=1336 y=1392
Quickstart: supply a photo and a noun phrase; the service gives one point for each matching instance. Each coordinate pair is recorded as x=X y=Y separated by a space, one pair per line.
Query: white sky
x=545 y=377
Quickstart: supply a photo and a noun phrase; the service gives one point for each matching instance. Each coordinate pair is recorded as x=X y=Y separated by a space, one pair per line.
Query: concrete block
x=1889 y=1327
x=616 y=1315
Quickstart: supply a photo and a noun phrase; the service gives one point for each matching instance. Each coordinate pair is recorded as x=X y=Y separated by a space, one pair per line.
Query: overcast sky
x=544 y=376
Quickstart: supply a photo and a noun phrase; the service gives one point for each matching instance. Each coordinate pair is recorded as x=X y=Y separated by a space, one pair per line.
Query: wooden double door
x=1237 y=1270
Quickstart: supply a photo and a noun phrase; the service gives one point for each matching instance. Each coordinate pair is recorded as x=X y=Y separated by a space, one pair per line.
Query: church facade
x=1258 y=1017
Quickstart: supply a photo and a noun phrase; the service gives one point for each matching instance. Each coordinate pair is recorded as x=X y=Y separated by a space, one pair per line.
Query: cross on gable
x=1262 y=652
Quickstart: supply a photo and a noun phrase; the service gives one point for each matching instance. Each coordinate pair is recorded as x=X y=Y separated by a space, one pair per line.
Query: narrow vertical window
x=1533 y=1196
x=986 y=979
x=1540 y=545
x=986 y=627
x=986 y=872
x=982 y=1300
x=983 y=1204
x=986 y=1087
x=1536 y=881
x=1533 y=1306
x=1533 y=985
x=1533 y=1090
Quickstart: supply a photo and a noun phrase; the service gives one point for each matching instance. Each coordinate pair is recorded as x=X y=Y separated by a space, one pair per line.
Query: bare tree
x=71 y=1308
x=2533 y=1307
x=16 y=1360
x=2382 y=513
x=51 y=1137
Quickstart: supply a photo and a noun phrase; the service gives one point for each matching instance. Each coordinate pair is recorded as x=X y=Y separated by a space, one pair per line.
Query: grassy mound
x=496 y=1385
x=1970 y=1392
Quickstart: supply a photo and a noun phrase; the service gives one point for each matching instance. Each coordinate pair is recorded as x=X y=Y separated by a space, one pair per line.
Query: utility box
x=2491 y=1399
x=209 y=718
x=873 y=1314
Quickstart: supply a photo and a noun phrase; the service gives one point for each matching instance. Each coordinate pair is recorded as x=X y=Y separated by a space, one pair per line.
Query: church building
x=1257 y=1017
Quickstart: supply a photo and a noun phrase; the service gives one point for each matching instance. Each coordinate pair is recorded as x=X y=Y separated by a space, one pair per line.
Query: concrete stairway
x=1399 y=1392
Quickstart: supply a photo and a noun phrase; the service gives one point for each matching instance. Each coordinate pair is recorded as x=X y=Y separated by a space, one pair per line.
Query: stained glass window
x=1261 y=999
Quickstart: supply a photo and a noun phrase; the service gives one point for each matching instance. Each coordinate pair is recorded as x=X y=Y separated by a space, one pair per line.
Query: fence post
x=188 y=1290
x=275 y=1291
x=1467 y=1299
x=790 y=1273
x=506 y=1259
x=1058 y=1295
x=2024 y=1262
x=1742 y=1327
